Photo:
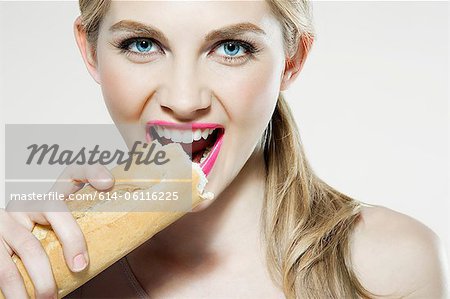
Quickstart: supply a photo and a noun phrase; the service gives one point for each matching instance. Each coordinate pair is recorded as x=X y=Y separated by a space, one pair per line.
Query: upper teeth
x=184 y=136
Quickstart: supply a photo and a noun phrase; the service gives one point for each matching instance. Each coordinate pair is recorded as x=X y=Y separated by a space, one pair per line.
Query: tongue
x=191 y=148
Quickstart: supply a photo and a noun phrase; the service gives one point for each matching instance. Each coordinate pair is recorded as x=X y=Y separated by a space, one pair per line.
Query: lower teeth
x=205 y=154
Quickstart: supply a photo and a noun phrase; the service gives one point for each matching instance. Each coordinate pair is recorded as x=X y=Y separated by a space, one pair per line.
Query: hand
x=16 y=236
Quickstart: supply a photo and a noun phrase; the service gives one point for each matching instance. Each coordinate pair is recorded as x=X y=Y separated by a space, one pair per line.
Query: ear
x=86 y=49
x=294 y=65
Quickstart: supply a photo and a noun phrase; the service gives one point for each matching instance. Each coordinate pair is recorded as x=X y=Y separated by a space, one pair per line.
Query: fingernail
x=79 y=263
x=104 y=176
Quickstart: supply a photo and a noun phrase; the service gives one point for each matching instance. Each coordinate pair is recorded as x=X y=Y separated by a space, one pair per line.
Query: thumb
x=75 y=177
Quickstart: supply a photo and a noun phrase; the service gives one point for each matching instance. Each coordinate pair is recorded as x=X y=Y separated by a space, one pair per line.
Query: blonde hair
x=306 y=223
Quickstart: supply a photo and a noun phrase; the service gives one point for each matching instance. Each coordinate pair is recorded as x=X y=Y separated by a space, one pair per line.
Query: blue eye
x=231 y=48
x=140 y=45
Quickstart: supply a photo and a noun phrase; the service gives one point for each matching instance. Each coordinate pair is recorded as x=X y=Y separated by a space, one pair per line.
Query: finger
x=23 y=218
x=99 y=177
x=33 y=256
x=71 y=238
x=66 y=229
x=74 y=177
x=3 y=216
x=8 y=249
x=11 y=282
x=28 y=219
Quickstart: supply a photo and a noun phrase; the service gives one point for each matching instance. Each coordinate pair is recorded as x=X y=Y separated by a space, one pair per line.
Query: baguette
x=111 y=235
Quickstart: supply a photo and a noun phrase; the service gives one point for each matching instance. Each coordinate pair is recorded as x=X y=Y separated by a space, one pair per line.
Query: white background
x=371 y=102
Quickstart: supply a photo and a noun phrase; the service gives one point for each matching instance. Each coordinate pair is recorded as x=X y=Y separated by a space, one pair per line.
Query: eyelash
x=249 y=46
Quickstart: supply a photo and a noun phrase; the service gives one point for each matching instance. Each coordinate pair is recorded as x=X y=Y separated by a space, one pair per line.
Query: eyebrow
x=222 y=33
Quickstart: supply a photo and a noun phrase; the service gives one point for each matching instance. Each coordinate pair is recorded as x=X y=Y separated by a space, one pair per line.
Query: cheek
x=124 y=87
x=252 y=96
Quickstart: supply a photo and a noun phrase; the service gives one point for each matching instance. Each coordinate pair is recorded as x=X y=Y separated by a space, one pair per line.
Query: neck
x=230 y=225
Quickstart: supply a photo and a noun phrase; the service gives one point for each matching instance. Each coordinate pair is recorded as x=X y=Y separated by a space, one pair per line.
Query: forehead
x=200 y=17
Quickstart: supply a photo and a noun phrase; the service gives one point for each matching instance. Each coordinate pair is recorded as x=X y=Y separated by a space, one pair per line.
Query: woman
x=316 y=242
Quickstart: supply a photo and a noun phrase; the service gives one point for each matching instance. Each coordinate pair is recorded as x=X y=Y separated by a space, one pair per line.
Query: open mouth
x=201 y=142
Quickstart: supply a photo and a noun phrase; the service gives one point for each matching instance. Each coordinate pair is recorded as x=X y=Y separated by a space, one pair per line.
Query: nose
x=185 y=95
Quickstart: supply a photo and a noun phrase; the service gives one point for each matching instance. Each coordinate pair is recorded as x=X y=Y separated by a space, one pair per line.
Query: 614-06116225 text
x=136 y=195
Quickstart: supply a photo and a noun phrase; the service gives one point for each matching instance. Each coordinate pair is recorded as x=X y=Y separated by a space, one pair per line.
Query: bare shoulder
x=395 y=255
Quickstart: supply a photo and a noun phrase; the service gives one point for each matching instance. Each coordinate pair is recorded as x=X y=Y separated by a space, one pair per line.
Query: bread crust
x=111 y=235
